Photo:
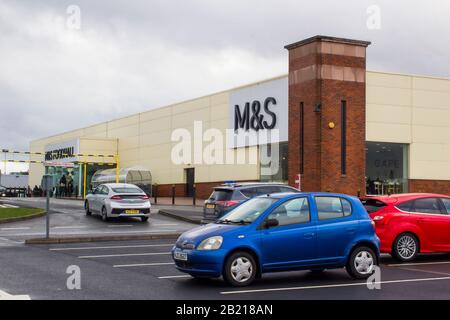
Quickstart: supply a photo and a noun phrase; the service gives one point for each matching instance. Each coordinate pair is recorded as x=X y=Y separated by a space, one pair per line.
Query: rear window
x=221 y=195
x=373 y=205
x=127 y=190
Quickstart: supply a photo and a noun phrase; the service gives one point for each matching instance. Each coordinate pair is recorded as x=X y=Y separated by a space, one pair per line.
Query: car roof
x=402 y=197
x=250 y=184
x=314 y=194
x=119 y=185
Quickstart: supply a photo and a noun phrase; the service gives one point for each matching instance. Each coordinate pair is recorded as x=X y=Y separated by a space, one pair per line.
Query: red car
x=408 y=224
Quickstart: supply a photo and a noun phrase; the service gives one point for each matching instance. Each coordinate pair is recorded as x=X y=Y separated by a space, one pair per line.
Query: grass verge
x=14 y=213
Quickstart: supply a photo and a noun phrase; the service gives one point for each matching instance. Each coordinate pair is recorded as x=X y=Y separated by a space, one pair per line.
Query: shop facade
x=329 y=124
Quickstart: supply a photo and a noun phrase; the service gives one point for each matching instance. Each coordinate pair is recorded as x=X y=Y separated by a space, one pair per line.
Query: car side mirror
x=271 y=223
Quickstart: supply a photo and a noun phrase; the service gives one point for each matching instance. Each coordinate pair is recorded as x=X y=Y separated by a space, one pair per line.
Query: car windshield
x=373 y=205
x=127 y=190
x=248 y=212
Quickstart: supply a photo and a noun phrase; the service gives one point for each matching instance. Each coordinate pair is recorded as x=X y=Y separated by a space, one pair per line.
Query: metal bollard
x=173 y=194
x=194 y=194
x=155 y=191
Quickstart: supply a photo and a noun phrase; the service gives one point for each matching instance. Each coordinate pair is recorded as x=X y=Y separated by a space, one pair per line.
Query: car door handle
x=309 y=235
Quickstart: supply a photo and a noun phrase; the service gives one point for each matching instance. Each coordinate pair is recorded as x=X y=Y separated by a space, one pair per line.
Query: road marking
x=164 y=224
x=143 y=265
x=417 y=264
x=427 y=271
x=70 y=227
x=15 y=229
x=120 y=225
x=333 y=285
x=125 y=255
x=112 y=247
x=92 y=233
x=6 y=296
x=174 y=277
x=5 y=205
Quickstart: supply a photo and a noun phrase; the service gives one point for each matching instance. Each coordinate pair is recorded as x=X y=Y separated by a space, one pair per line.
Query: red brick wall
x=430 y=186
x=322 y=145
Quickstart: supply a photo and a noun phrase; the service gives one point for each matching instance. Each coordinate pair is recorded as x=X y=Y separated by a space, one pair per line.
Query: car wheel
x=406 y=247
x=362 y=262
x=104 y=214
x=144 y=219
x=240 y=269
x=86 y=208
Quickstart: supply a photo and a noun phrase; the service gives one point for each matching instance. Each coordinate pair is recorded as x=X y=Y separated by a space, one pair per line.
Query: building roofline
x=327 y=39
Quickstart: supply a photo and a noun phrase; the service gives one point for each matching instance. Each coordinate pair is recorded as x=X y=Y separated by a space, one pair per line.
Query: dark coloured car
x=229 y=195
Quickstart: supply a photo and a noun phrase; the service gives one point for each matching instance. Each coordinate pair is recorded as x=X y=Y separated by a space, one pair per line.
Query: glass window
x=249 y=211
x=292 y=212
x=127 y=190
x=446 y=203
x=287 y=189
x=386 y=168
x=373 y=205
x=427 y=205
x=274 y=162
x=405 y=206
x=249 y=192
x=332 y=208
x=221 y=195
x=347 y=207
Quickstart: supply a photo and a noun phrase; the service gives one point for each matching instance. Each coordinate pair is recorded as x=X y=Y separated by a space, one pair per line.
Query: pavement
x=68 y=219
x=145 y=270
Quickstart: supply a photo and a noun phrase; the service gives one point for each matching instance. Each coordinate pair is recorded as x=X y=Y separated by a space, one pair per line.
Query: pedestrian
x=63 y=186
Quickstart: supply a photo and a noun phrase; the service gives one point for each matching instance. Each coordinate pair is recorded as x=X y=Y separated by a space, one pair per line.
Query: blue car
x=282 y=232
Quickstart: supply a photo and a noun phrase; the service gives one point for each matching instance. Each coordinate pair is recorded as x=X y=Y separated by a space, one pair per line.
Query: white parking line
x=120 y=225
x=333 y=286
x=92 y=233
x=112 y=247
x=164 y=224
x=125 y=255
x=70 y=227
x=174 y=277
x=143 y=265
x=5 y=205
x=417 y=264
x=14 y=229
x=6 y=296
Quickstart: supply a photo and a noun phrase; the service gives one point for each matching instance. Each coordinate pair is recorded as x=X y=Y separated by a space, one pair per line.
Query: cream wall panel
x=123 y=122
x=156 y=114
x=427 y=134
x=187 y=119
x=430 y=152
x=431 y=84
x=385 y=132
x=155 y=138
x=429 y=170
x=431 y=117
x=388 y=96
x=388 y=114
x=96 y=130
x=191 y=106
x=219 y=112
x=156 y=125
x=124 y=132
x=431 y=99
x=220 y=99
x=388 y=80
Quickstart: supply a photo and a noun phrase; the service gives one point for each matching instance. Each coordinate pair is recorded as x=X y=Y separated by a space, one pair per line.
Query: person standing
x=63 y=185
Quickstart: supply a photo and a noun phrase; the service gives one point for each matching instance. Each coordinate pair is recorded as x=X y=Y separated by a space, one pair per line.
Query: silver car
x=118 y=200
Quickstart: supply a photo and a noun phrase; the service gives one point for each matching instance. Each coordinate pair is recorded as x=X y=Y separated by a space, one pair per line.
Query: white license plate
x=180 y=256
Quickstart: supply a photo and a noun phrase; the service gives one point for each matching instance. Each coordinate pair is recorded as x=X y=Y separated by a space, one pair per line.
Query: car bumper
x=201 y=263
x=122 y=212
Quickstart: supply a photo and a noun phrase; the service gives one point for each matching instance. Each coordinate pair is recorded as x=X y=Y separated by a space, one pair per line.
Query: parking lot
x=145 y=270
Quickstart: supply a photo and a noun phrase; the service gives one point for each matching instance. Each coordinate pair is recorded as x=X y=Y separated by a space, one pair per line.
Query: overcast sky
x=131 y=56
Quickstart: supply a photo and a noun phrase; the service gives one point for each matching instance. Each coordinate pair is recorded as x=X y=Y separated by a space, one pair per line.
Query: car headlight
x=213 y=243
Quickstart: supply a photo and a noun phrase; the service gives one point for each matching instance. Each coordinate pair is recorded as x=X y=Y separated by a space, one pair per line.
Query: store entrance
x=67 y=181
x=190 y=181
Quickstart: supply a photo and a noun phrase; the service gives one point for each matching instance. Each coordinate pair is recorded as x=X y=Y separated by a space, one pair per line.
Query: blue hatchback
x=282 y=232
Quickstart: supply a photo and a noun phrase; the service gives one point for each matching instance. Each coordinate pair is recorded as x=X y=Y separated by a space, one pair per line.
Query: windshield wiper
x=226 y=221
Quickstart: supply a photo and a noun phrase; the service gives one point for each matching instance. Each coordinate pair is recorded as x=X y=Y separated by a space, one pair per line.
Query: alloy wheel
x=406 y=247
